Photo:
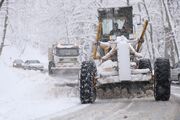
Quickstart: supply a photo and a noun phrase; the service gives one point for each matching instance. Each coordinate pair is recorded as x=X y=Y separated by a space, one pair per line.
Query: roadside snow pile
x=66 y=91
x=28 y=94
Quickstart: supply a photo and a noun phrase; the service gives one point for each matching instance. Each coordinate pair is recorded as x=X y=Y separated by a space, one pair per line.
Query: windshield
x=120 y=22
x=62 y=52
x=32 y=61
x=107 y=24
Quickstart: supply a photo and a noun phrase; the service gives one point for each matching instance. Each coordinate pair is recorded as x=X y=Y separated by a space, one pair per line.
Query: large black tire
x=162 y=84
x=144 y=64
x=87 y=82
x=50 y=65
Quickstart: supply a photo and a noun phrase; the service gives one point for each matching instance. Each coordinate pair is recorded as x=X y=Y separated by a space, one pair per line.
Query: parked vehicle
x=175 y=72
x=33 y=65
x=18 y=63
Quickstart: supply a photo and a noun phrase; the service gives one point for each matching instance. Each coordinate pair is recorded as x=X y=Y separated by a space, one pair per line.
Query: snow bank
x=26 y=94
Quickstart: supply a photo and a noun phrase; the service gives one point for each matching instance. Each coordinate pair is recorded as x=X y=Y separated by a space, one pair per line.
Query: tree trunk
x=151 y=30
x=4 y=29
x=1 y=3
x=170 y=42
x=127 y=2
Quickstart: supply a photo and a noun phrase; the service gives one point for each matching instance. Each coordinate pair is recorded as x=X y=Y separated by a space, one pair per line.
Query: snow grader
x=117 y=68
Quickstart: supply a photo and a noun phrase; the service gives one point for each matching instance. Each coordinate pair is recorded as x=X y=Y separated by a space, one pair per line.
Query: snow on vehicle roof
x=67 y=45
x=18 y=60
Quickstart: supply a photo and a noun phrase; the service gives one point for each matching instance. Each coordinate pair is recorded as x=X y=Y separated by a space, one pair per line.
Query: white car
x=18 y=63
x=33 y=65
x=175 y=72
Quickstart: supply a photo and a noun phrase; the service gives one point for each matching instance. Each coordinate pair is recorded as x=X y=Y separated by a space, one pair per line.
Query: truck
x=63 y=57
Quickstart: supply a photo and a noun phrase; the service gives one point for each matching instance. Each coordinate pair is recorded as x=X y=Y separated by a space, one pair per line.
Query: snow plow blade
x=125 y=89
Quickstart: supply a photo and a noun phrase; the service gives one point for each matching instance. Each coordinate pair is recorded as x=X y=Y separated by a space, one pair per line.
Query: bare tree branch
x=1 y=3
x=169 y=29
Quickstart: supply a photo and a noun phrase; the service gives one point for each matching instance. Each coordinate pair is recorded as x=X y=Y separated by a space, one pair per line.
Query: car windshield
x=18 y=61
x=62 y=52
x=32 y=61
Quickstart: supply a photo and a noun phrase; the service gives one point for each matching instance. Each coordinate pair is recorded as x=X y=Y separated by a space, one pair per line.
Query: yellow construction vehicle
x=117 y=65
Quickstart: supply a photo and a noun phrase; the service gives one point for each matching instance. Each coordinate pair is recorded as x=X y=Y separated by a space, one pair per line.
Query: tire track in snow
x=129 y=109
x=100 y=110
x=63 y=112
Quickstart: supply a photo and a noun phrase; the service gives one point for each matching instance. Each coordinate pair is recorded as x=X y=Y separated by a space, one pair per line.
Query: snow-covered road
x=32 y=95
x=129 y=109
x=136 y=109
x=28 y=95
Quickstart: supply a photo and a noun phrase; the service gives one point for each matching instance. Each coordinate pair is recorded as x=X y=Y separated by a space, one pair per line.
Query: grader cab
x=117 y=68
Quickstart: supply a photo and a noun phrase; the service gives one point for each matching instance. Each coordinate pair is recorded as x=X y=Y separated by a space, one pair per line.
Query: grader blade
x=125 y=90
